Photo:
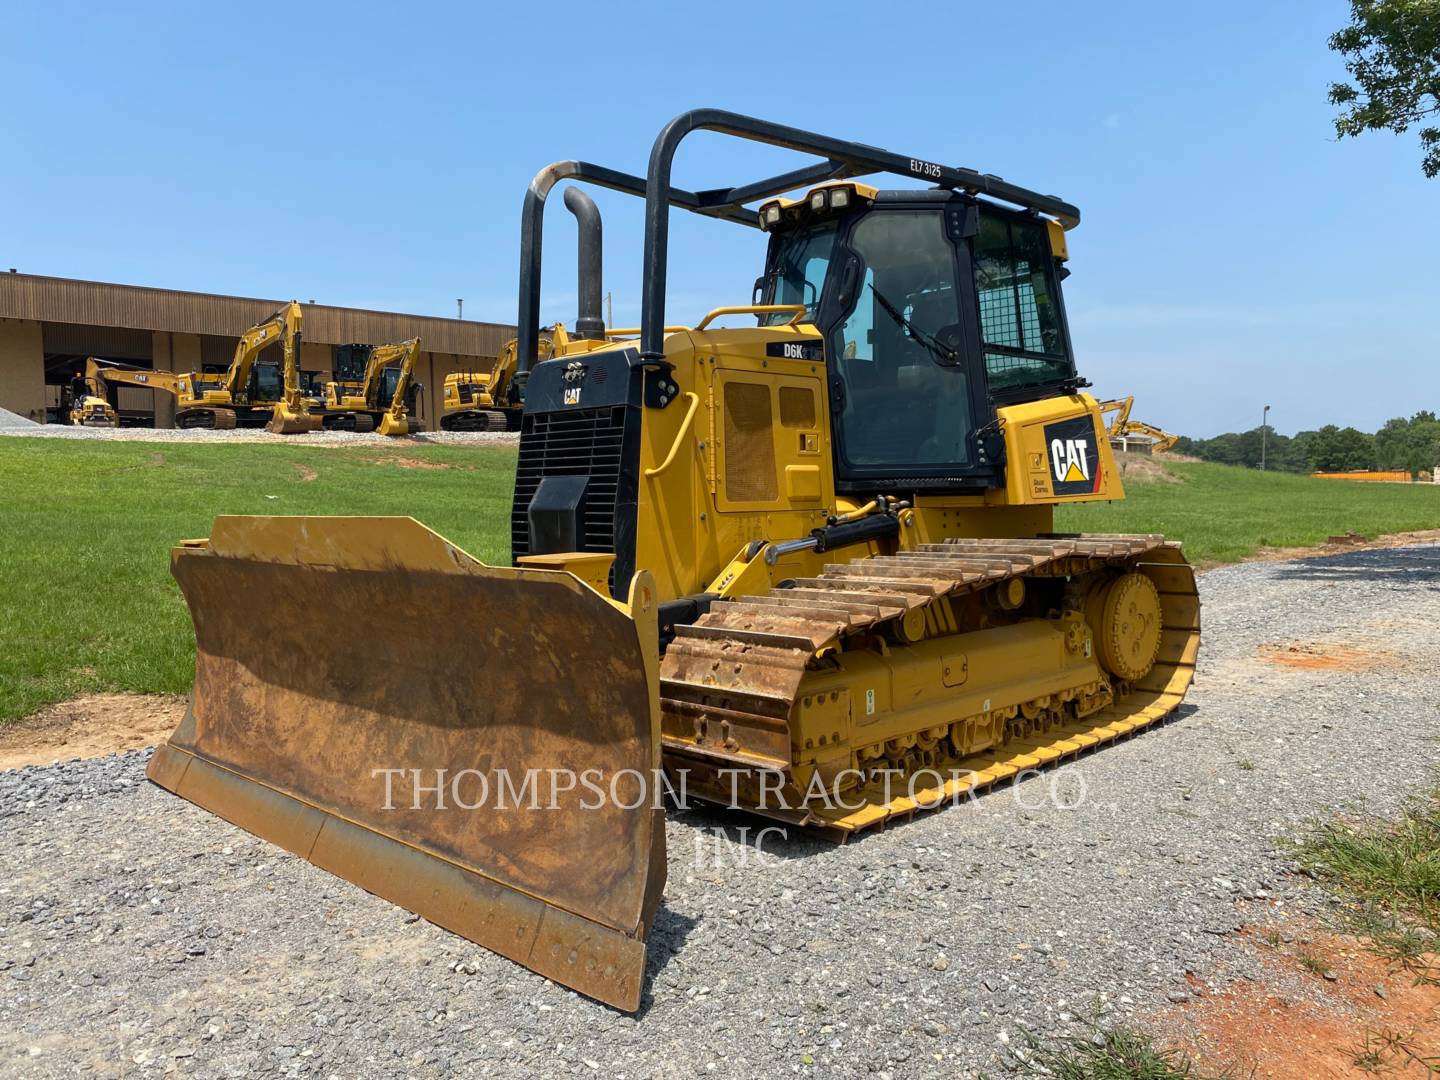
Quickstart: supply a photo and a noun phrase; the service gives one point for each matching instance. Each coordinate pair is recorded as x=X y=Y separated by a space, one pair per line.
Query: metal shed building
x=48 y=326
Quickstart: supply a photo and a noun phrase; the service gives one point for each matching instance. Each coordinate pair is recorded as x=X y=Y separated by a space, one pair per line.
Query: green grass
x=86 y=598
x=1105 y=1054
x=87 y=602
x=1223 y=513
x=1386 y=872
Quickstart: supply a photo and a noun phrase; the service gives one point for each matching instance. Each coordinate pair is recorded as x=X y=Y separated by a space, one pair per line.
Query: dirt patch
x=412 y=463
x=90 y=726
x=1323 y=1006
x=1316 y=656
x=1143 y=469
x=1349 y=542
x=305 y=472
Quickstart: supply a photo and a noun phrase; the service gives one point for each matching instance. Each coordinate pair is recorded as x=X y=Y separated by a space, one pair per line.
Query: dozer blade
x=335 y=657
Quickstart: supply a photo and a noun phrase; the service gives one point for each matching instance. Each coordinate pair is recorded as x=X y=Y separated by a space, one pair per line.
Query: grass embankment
x=1223 y=513
x=87 y=602
x=86 y=598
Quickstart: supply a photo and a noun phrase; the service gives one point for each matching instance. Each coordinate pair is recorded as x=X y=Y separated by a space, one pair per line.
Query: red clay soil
x=1316 y=656
x=90 y=726
x=1298 y=1023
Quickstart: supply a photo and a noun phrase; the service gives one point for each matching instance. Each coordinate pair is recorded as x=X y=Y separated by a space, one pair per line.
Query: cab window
x=266 y=383
x=1019 y=318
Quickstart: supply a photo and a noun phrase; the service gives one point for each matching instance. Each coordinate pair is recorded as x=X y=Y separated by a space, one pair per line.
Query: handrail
x=679 y=438
x=752 y=309
x=634 y=331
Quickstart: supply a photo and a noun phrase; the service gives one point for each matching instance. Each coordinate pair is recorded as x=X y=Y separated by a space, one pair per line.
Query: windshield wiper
x=942 y=355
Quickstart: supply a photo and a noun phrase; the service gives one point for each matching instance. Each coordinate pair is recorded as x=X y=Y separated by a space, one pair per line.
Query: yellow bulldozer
x=805 y=568
x=384 y=395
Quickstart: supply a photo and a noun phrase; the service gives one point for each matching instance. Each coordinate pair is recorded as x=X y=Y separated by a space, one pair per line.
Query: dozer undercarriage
x=974 y=660
x=810 y=565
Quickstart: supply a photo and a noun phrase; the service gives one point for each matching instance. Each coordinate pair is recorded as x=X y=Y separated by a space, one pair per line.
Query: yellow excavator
x=806 y=568
x=383 y=397
x=488 y=400
x=1147 y=438
x=248 y=392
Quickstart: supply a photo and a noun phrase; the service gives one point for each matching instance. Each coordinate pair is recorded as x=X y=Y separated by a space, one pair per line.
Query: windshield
x=389 y=378
x=351 y=361
x=797 y=270
x=266 y=383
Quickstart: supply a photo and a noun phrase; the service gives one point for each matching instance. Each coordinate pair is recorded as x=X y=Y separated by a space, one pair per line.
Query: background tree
x=1392 y=51
x=1413 y=445
x=1337 y=449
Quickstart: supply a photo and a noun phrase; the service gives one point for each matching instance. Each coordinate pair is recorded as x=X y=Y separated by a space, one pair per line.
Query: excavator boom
x=396 y=419
x=1155 y=440
x=291 y=414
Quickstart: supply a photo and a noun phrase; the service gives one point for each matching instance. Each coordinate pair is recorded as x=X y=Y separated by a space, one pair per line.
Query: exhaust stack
x=588 y=322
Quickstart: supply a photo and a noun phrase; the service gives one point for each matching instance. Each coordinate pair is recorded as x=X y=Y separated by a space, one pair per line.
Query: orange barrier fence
x=1382 y=476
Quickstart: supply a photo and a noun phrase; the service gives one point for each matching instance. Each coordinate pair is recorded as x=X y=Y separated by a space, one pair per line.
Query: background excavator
x=378 y=392
x=807 y=566
x=1135 y=434
x=248 y=393
x=90 y=393
x=489 y=400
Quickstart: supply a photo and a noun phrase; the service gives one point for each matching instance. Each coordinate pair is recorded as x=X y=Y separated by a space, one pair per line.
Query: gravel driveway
x=140 y=935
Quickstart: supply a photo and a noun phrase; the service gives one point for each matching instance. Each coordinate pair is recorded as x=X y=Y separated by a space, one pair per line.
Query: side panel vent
x=797 y=407
x=749 y=443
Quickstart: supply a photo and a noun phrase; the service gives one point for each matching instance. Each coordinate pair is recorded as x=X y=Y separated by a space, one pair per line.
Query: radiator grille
x=577 y=442
x=749 y=443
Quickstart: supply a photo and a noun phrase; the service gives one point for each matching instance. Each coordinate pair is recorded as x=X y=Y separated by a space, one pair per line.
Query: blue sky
x=1232 y=253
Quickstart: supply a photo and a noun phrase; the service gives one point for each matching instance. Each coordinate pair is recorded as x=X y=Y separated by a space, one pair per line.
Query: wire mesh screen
x=1017 y=310
x=1008 y=312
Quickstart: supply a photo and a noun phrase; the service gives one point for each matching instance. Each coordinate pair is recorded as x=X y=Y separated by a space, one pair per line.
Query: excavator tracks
x=478 y=420
x=736 y=684
x=212 y=419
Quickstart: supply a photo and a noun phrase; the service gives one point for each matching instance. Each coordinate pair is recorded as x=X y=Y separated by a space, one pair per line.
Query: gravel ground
x=138 y=934
x=260 y=435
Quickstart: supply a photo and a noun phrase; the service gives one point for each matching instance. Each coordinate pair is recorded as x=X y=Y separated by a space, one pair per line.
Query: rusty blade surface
x=375 y=700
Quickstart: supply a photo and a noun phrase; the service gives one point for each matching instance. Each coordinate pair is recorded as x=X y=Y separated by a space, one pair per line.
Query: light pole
x=1264 y=431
